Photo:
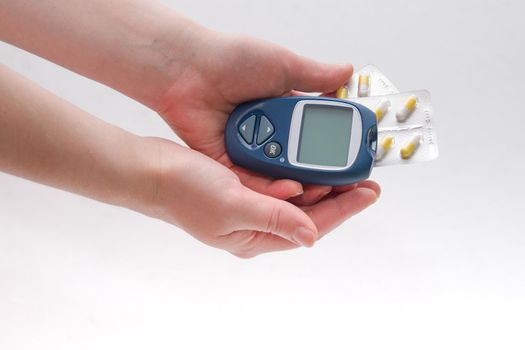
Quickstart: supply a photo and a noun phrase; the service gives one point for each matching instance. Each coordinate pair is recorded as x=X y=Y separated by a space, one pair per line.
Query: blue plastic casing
x=279 y=112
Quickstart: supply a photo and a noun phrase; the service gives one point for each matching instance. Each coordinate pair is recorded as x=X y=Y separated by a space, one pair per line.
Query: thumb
x=267 y=214
x=312 y=76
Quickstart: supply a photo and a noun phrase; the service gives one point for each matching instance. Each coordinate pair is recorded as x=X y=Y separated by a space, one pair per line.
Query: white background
x=438 y=262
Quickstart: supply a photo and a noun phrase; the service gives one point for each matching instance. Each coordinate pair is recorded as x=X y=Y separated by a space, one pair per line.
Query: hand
x=154 y=176
x=191 y=75
x=207 y=200
x=193 y=78
x=228 y=70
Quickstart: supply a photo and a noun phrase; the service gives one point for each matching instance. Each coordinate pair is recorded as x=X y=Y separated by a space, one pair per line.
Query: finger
x=308 y=75
x=267 y=214
x=331 y=212
x=374 y=186
x=312 y=194
x=344 y=188
x=332 y=94
x=296 y=93
x=281 y=189
x=247 y=244
x=305 y=94
x=368 y=184
x=336 y=190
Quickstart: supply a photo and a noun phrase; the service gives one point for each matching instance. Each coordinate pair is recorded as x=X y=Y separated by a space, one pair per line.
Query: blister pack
x=406 y=132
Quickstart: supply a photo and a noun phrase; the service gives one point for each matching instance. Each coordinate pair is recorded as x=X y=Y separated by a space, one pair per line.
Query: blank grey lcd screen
x=325 y=135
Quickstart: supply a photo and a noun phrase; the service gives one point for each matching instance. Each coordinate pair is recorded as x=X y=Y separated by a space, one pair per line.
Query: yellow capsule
x=363 y=85
x=408 y=108
x=382 y=108
x=342 y=92
x=385 y=145
x=409 y=148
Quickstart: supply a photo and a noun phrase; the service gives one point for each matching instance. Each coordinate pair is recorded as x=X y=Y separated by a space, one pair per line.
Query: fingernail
x=298 y=193
x=371 y=187
x=299 y=190
x=369 y=191
x=323 y=194
x=304 y=237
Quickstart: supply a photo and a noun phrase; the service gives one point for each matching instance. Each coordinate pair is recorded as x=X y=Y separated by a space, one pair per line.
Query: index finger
x=332 y=211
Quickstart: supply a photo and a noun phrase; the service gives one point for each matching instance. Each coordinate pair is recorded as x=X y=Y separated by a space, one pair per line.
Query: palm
x=238 y=219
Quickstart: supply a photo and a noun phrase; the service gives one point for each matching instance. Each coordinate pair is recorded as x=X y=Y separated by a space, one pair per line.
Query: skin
x=193 y=77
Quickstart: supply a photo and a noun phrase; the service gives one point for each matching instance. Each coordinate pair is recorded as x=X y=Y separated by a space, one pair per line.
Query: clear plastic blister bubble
x=370 y=81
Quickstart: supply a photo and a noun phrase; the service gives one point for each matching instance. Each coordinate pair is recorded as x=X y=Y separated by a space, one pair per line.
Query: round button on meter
x=272 y=149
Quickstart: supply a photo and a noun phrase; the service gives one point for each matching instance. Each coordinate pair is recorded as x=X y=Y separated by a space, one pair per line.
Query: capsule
x=385 y=145
x=342 y=92
x=408 y=109
x=409 y=148
x=382 y=108
x=363 y=85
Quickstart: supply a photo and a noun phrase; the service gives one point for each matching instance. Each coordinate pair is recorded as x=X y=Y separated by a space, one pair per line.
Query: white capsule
x=409 y=148
x=382 y=108
x=385 y=145
x=408 y=109
x=363 y=85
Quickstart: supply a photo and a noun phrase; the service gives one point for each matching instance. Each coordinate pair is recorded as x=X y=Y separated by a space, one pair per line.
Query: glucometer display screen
x=325 y=135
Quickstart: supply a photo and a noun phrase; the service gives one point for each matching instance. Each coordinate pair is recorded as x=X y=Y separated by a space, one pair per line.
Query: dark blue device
x=314 y=140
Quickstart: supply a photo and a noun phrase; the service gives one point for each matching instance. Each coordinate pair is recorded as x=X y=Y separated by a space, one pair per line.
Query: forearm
x=47 y=140
x=135 y=46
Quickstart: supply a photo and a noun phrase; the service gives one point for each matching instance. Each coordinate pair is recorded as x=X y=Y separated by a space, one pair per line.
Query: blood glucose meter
x=313 y=140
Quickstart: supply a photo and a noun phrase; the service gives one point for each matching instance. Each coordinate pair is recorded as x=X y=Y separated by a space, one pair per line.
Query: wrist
x=156 y=170
x=139 y=178
x=184 y=54
x=178 y=185
x=175 y=56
